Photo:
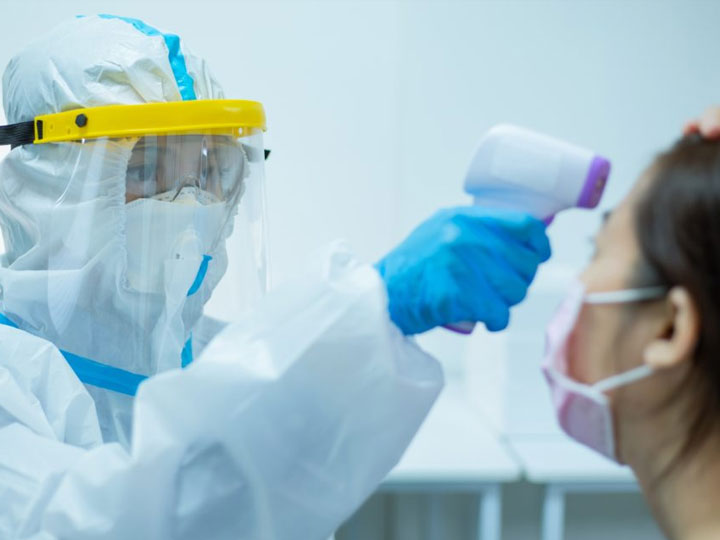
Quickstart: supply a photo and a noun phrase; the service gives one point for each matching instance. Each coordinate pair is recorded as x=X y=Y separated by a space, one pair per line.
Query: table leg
x=553 y=519
x=435 y=531
x=490 y=513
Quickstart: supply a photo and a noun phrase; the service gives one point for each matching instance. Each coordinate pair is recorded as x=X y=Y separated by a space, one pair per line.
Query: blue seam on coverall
x=116 y=379
x=102 y=375
x=184 y=80
x=95 y=373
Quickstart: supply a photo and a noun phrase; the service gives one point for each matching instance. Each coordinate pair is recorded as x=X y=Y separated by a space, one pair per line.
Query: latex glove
x=708 y=125
x=463 y=264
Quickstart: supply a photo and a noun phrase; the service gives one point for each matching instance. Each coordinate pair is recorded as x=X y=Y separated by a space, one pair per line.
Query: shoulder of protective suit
x=41 y=391
x=102 y=60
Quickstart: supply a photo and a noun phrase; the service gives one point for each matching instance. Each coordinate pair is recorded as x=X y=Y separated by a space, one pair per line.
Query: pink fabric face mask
x=583 y=411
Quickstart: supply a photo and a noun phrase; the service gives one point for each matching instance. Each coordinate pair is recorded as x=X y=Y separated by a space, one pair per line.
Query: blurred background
x=374 y=110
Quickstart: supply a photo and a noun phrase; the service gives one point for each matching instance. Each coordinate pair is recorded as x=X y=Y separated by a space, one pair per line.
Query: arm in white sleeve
x=280 y=430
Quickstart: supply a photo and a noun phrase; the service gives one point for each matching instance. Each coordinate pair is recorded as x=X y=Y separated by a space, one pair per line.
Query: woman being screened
x=633 y=358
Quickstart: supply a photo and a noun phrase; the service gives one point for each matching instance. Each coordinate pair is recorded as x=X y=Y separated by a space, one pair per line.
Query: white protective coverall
x=280 y=428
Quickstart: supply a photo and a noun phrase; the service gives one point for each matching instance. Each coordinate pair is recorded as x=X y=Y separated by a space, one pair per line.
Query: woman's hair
x=677 y=224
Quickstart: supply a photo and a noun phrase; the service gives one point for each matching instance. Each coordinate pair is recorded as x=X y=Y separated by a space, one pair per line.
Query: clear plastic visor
x=206 y=190
x=117 y=247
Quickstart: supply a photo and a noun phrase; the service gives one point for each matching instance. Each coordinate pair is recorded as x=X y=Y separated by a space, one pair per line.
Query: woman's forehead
x=621 y=218
x=618 y=222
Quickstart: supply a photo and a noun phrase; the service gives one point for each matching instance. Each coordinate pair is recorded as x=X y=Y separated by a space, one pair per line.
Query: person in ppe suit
x=132 y=187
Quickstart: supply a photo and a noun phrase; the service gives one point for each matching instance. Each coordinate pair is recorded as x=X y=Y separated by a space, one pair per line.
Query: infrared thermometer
x=518 y=169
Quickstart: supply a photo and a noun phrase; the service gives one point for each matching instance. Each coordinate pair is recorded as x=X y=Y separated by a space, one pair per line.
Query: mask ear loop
x=623 y=379
x=626 y=296
x=622 y=297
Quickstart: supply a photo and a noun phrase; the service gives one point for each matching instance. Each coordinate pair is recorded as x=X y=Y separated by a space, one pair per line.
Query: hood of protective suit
x=63 y=212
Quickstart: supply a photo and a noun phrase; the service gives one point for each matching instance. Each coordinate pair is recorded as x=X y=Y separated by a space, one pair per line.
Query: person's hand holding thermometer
x=517 y=169
x=472 y=263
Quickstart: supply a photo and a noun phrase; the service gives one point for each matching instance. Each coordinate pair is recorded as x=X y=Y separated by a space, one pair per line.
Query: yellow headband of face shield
x=173 y=118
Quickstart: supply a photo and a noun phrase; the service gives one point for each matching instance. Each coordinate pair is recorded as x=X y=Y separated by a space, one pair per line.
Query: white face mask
x=169 y=237
x=584 y=411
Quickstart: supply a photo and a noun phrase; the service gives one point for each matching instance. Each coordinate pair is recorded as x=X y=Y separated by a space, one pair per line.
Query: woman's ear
x=680 y=334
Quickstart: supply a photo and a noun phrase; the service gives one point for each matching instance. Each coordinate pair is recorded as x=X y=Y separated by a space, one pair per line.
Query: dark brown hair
x=677 y=224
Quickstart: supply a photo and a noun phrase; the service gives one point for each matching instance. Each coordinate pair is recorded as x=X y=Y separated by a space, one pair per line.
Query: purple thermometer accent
x=464 y=328
x=594 y=183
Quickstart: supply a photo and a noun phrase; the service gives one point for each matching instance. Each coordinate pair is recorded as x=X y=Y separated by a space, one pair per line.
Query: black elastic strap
x=24 y=133
x=18 y=134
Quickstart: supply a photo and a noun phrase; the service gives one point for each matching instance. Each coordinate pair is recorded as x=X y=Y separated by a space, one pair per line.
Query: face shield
x=186 y=196
x=121 y=222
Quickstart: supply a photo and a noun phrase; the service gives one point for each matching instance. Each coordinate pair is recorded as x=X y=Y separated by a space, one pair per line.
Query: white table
x=454 y=452
x=564 y=467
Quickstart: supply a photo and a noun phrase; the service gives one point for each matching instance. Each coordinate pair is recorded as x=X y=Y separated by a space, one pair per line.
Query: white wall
x=374 y=107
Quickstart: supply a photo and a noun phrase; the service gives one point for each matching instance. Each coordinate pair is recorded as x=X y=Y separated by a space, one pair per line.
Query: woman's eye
x=593 y=242
x=141 y=180
x=135 y=172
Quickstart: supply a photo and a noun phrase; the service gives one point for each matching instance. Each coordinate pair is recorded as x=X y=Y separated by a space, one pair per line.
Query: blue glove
x=463 y=264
